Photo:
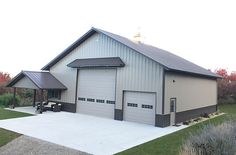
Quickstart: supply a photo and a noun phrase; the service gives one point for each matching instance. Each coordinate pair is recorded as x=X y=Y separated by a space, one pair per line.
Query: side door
x=172 y=111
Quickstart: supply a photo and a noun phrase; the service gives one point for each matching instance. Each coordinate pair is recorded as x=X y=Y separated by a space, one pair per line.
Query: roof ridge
x=165 y=58
x=42 y=71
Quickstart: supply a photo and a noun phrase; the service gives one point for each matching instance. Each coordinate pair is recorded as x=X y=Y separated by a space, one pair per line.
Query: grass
x=6 y=114
x=5 y=135
x=171 y=144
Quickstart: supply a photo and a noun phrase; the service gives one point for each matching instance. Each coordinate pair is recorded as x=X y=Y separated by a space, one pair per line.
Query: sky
x=33 y=32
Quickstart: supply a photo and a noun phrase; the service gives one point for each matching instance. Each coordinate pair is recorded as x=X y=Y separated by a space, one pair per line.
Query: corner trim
x=163 y=92
x=76 y=88
x=116 y=98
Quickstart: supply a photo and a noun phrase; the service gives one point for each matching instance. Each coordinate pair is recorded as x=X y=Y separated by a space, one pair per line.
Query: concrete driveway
x=86 y=133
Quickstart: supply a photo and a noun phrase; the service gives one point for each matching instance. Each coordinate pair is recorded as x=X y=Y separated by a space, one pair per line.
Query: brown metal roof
x=97 y=62
x=43 y=80
x=170 y=61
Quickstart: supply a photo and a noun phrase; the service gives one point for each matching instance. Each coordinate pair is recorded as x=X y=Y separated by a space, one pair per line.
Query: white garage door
x=139 y=107
x=96 y=92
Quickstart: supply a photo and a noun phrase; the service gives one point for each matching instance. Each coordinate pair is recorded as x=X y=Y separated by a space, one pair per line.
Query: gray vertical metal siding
x=67 y=76
x=139 y=74
x=25 y=82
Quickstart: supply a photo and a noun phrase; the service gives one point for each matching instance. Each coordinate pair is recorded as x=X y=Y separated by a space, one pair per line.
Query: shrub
x=205 y=115
x=186 y=123
x=197 y=119
x=25 y=93
x=212 y=140
x=227 y=100
x=7 y=99
x=26 y=96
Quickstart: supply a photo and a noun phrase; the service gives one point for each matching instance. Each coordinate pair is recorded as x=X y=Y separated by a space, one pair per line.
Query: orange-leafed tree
x=4 y=79
x=232 y=76
x=222 y=72
x=223 y=84
x=226 y=86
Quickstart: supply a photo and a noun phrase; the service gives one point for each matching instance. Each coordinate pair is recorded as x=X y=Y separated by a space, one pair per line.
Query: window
x=172 y=104
x=100 y=101
x=81 y=98
x=132 y=104
x=54 y=94
x=110 y=102
x=90 y=100
x=146 y=106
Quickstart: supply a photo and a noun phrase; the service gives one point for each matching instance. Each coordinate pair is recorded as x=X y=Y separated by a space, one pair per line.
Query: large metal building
x=106 y=75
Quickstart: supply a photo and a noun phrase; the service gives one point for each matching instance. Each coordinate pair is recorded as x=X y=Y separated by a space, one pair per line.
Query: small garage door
x=139 y=107
x=96 y=92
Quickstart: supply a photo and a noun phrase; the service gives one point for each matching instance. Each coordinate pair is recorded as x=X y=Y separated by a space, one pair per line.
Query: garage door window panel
x=110 y=102
x=132 y=105
x=82 y=99
x=147 y=106
x=100 y=101
x=90 y=100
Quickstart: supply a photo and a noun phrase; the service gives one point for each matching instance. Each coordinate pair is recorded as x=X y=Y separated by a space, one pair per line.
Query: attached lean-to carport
x=36 y=81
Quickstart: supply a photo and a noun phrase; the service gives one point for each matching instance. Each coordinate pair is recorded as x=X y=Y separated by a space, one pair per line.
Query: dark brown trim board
x=69 y=107
x=118 y=114
x=190 y=114
x=97 y=63
x=164 y=120
x=192 y=74
x=76 y=88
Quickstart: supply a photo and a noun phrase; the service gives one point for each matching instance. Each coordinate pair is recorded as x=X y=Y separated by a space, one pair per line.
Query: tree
x=222 y=72
x=226 y=86
x=4 y=79
x=232 y=76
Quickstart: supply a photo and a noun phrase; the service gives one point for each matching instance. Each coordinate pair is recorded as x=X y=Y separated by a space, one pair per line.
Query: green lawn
x=170 y=144
x=6 y=114
x=5 y=135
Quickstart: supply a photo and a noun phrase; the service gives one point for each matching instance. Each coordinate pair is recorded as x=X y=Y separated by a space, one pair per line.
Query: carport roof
x=97 y=62
x=43 y=80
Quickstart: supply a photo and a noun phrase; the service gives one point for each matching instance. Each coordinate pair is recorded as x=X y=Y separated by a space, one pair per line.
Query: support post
x=34 y=98
x=47 y=95
x=14 y=98
x=41 y=100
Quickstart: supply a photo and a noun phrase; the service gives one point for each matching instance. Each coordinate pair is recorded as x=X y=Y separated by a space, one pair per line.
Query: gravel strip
x=25 y=145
